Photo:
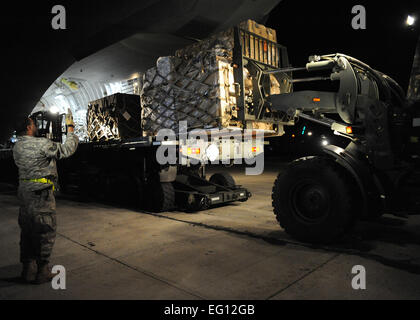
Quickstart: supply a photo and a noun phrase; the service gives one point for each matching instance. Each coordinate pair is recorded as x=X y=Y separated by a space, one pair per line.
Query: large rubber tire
x=313 y=200
x=160 y=197
x=224 y=179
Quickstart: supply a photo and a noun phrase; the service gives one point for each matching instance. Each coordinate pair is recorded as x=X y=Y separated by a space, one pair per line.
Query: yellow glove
x=69 y=118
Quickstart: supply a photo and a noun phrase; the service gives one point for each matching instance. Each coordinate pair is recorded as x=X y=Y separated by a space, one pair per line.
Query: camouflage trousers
x=37 y=220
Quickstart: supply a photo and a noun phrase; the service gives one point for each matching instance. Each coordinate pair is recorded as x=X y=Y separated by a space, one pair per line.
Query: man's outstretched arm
x=60 y=151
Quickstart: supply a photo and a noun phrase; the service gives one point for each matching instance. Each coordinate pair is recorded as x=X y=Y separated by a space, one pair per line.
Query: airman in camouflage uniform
x=36 y=158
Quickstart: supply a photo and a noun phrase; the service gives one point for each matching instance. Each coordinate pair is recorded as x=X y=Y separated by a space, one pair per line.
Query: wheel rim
x=310 y=201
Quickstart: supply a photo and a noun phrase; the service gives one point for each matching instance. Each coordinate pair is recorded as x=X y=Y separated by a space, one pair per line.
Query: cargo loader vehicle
x=319 y=198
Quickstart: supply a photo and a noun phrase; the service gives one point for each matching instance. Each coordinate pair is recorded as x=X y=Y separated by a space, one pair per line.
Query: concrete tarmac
x=233 y=252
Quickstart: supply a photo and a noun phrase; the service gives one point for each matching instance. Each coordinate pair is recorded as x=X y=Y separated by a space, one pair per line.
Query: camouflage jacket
x=36 y=158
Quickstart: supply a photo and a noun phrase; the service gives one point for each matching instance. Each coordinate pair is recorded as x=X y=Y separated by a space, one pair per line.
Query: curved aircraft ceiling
x=118 y=61
x=104 y=40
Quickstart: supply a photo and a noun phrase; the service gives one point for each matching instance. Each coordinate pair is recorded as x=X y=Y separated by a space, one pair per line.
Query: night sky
x=324 y=27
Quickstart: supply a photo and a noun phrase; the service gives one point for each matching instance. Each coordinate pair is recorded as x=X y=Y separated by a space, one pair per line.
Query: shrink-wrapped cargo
x=114 y=117
x=197 y=85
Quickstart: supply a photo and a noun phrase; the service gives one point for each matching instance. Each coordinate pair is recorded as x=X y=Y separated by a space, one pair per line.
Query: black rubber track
x=223 y=179
x=161 y=197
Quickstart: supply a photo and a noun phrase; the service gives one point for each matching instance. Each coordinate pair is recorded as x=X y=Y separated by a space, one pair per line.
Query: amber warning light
x=193 y=151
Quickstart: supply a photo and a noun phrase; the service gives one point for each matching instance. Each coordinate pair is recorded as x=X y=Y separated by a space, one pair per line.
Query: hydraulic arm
x=371 y=105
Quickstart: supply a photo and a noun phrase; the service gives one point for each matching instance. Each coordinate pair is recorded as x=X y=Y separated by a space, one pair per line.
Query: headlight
x=54 y=109
x=212 y=152
x=410 y=20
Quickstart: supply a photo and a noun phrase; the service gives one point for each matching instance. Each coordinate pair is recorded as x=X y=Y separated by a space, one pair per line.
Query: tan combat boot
x=44 y=274
x=29 y=271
